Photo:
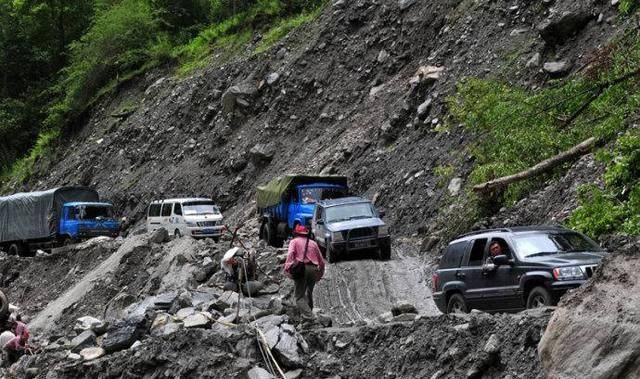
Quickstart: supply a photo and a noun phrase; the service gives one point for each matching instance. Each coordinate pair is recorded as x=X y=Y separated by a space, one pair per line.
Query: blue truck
x=53 y=218
x=290 y=200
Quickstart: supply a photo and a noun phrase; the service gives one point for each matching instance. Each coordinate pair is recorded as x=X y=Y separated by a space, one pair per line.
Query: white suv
x=195 y=217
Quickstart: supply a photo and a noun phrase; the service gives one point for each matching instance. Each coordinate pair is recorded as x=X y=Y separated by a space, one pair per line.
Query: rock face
x=595 y=332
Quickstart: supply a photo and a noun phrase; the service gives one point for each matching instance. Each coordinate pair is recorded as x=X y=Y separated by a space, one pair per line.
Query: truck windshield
x=92 y=212
x=539 y=244
x=313 y=195
x=350 y=212
x=200 y=208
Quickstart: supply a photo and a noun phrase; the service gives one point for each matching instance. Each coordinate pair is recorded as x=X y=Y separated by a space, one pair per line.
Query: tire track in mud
x=361 y=289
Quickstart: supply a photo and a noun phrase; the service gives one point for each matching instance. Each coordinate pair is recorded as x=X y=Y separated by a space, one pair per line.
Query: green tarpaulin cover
x=271 y=193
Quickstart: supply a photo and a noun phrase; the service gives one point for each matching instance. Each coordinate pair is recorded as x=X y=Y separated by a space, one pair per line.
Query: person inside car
x=495 y=249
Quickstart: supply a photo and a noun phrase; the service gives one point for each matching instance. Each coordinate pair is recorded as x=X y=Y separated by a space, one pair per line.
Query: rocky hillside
x=360 y=91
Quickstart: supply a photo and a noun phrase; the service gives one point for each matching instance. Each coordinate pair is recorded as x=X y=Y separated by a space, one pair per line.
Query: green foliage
x=117 y=42
x=283 y=28
x=517 y=128
x=23 y=168
x=616 y=207
x=444 y=174
x=627 y=6
x=236 y=21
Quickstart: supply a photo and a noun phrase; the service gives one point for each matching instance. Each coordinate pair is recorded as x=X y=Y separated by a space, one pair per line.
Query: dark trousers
x=304 y=290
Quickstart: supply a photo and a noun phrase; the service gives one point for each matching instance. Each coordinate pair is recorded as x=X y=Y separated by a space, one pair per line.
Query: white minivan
x=195 y=217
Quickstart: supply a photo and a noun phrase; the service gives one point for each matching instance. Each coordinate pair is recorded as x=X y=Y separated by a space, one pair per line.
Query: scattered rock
x=559 y=68
x=295 y=374
x=262 y=154
x=272 y=78
x=90 y=323
x=287 y=347
x=383 y=56
x=84 y=339
x=455 y=185
x=493 y=345
x=159 y=235
x=259 y=373
x=403 y=307
x=91 y=353
x=427 y=74
x=197 y=320
x=119 y=338
x=534 y=61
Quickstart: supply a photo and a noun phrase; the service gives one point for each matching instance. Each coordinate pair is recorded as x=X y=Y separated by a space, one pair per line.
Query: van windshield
x=350 y=212
x=200 y=208
x=538 y=244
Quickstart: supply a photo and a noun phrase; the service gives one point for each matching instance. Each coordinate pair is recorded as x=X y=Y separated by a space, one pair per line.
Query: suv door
x=319 y=230
x=501 y=284
x=471 y=274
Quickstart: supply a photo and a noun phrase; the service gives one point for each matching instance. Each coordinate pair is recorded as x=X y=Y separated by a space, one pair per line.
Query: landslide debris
x=595 y=331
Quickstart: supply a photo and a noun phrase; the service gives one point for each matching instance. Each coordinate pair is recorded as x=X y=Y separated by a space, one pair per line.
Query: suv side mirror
x=501 y=260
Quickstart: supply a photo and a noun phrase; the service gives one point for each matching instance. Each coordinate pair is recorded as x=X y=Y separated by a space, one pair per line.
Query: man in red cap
x=304 y=251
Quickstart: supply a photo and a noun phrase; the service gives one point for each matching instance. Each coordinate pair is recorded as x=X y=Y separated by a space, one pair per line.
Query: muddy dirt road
x=363 y=288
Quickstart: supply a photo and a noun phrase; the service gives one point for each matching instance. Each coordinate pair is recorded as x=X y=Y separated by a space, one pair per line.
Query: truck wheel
x=538 y=297
x=270 y=236
x=457 y=304
x=15 y=249
x=332 y=255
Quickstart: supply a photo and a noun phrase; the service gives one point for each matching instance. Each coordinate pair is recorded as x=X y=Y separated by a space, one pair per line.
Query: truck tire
x=268 y=233
x=4 y=306
x=332 y=255
x=15 y=249
x=539 y=297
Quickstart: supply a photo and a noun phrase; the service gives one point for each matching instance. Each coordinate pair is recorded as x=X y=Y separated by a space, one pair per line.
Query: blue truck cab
x=291 y=200
x=82 y=220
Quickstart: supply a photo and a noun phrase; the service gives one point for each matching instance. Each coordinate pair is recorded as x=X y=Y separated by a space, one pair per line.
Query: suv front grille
x=207 y=223
x=361 y=233
x=589 y=270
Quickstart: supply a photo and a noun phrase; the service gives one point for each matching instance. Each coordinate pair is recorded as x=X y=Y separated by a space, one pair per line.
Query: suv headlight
x=568 y=273
x=336 y=237
x=383 y=230
x=191 y=224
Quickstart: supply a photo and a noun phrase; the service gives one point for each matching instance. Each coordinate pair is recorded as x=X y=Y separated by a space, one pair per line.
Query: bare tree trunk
x=540 y=168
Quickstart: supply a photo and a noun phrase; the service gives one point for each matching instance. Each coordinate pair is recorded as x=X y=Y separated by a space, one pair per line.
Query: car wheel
x=538 y=297
x=216 y=239
x=332 y=255
x=457 y=304
x=177 y=234
x=384 y=253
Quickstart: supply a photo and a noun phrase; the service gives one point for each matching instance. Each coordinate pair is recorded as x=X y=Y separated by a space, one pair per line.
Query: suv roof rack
x=506 y=230
x=514 y=229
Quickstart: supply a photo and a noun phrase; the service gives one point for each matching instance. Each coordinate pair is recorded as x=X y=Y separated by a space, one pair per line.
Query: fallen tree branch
x=540 y=168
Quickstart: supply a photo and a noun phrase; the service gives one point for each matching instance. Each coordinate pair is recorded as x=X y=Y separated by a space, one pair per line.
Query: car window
x=477 y=252
x=166 y=209
x=453 y=255
x=177 y=209
x=504 y=246
x=538 y=244
x=154 y=210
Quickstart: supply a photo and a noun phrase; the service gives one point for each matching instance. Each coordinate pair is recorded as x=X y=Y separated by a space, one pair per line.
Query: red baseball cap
x=301 y=230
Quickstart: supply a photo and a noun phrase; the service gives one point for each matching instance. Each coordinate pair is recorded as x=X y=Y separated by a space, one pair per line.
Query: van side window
x=154 y=210
x=453 y=255
x=166 y=209
x=177 y=209
x=477 y=252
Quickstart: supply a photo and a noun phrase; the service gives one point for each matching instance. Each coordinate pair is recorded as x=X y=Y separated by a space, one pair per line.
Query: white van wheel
x=177 y=233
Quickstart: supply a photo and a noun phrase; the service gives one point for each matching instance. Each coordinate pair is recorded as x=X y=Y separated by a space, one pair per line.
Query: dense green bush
x=517 y=128
x=616 y=207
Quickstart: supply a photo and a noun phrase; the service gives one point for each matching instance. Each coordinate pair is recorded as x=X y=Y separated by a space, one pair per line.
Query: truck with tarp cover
x=52 y=218
x=289 y=200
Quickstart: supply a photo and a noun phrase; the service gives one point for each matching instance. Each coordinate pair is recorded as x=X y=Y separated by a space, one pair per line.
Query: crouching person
x=305 y=266
x=15 y=348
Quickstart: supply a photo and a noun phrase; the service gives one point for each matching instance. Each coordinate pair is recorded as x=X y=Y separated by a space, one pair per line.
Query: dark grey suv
x=536 y=265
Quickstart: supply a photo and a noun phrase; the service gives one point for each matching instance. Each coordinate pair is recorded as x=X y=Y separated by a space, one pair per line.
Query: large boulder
x=559 y=28
x=595 y=331
x=82 y=340
x=237 y=101
x=120 y=337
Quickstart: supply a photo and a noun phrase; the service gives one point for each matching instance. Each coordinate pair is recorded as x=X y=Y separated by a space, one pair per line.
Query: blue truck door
x=68 y=224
